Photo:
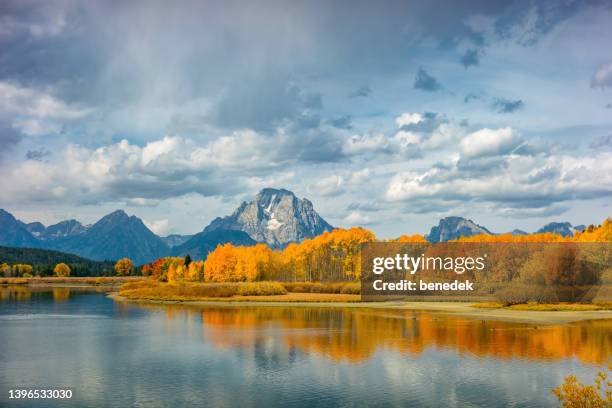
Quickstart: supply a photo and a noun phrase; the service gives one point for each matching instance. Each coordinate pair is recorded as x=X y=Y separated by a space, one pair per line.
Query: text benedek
x=404 y=285
x=414 y=264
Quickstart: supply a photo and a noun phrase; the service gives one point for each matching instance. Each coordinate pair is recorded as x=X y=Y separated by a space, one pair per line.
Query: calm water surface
x=120 y=355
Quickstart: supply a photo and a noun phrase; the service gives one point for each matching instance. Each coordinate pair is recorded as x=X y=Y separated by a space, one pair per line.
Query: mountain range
x=275 y=217
x=456 y=227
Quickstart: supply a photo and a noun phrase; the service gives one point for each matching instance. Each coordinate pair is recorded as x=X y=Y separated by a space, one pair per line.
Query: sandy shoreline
x=460 y=309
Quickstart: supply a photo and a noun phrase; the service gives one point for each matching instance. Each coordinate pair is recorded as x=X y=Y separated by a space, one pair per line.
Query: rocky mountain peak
x=275 y=216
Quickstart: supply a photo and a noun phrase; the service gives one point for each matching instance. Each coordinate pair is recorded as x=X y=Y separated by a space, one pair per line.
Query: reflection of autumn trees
x=18 y=293
x=61 y=294
x=354 y=335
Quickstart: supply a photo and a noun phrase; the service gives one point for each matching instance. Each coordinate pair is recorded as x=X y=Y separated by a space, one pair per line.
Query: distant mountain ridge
x=450 y=228
x=174 y=240
x=201 y=244
x=562 y=228
x=114 y=236
x=62 y=229
x=14 y=233
x=276 y=217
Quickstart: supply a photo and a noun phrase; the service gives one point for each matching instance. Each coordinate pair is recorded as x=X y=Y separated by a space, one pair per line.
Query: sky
x=387 y=115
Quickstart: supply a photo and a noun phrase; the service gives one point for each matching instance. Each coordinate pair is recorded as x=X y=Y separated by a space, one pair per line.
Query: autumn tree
x=573 y=394
x=146 y=270
x=5 y=270
x=61 y=270
x=124 y=267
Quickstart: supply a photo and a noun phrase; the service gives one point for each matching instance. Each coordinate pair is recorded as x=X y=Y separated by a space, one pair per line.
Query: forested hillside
x=43 y=261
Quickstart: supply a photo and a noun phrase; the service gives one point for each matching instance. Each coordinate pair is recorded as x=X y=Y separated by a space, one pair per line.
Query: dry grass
x=153 y=290
x=243 y=291
x=349 y=288
x=14 y=281
x=553 y=307
x=261 y=289
x=76 y=280
x=303 y=297
x=547 y=307
x=488 y=305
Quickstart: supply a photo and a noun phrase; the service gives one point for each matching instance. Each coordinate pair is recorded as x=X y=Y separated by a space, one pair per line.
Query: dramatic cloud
x=425 y=82
x=278 y=93
x=501 y=105
x=602 y=78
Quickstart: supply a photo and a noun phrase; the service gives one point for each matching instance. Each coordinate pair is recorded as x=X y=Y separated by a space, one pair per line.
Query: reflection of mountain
x=355 y=335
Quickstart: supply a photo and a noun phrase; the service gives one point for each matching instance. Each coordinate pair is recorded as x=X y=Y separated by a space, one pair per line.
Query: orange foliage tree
x=332 y=256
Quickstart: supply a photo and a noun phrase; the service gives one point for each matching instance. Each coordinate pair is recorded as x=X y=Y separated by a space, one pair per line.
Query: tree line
x=335 y=256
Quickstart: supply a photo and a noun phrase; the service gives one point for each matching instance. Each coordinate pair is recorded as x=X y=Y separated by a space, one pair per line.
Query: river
x=112 y=354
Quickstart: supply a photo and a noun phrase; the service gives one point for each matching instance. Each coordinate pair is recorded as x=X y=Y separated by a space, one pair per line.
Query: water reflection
x=354 y=335
x=24 y=293
x=121 y=354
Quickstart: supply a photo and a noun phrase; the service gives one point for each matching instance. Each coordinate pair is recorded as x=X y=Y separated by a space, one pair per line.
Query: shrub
x=261 y=289
x=205 y=290
x=573 y=394
x=298 y=287
x=515 y=294
x=138 y=285
x=351 y=289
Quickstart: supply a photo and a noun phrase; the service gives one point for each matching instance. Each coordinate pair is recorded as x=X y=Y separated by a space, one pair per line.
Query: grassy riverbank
x=76 y=280
x=229 y=295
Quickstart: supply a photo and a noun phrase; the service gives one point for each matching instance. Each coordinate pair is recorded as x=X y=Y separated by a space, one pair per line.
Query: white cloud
x=489 y=142
x=602 y=78
x=359 y=144
x=328 y=186
x=16 y=100
x=355 y=218
x=34 y=112
x=159 y=227
x=35 y=127
x=527 y=181
x=408 y=119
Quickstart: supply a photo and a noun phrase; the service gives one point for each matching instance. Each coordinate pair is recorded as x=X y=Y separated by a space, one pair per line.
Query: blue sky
x=388 y=114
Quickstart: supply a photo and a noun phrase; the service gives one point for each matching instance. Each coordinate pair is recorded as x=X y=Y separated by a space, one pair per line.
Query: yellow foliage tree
x=61 y=270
